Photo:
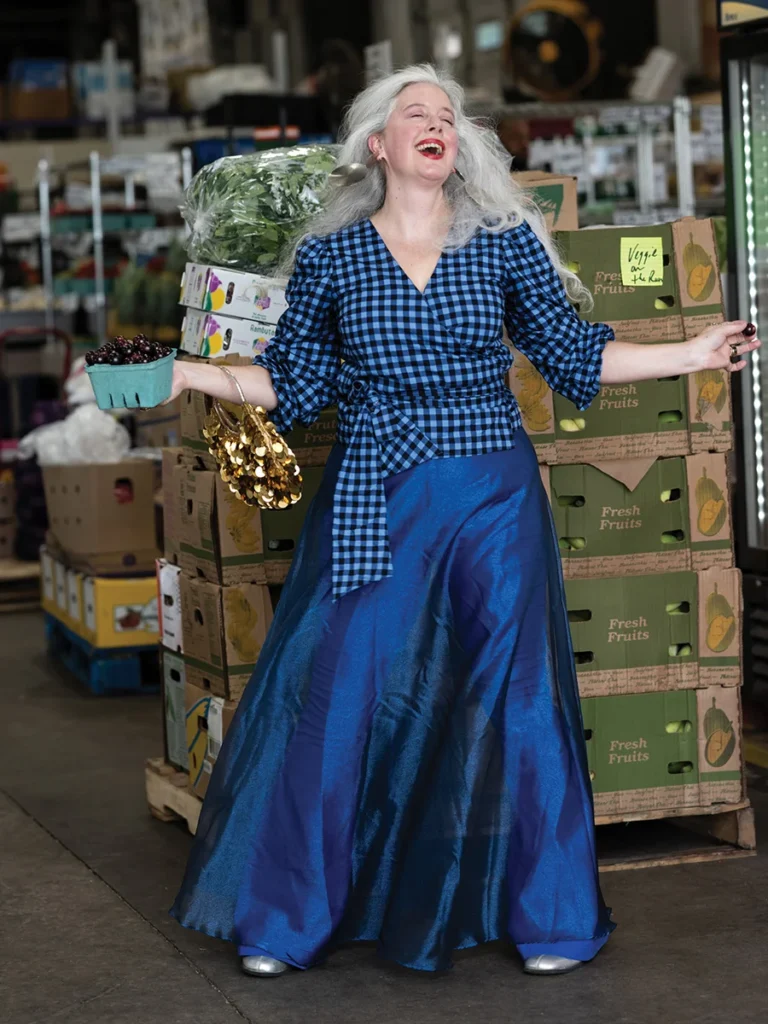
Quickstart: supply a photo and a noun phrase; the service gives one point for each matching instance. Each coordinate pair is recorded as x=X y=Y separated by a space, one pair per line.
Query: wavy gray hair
x=482 y=159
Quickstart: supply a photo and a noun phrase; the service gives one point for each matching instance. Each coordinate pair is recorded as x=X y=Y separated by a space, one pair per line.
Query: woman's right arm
x=255 y=381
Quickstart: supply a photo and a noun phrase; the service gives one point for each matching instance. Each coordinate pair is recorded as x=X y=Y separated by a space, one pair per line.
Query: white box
x=75 y=596
x=49 y=583
x=212 y=335
x=233 y=293
x=169 y=587
x=175 y=714
x=60 y=579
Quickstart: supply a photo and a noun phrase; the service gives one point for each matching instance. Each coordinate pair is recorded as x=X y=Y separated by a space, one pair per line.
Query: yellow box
x=120 y=612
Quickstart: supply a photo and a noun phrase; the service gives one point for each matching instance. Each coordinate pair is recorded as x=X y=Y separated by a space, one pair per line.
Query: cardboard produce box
x=159 y=427
x=169 y=606
x=102 y=516
x=557 y=196
x=224 y=631
x=174 y=709
x=225 y=541
x=208 y=719
x=121 y=612
x=233 y=293
x=667 y=632
x=651 y=284
x=212 y=334
x=311 y=445
x=656 y=418
x=171 y=457
x=642 y=516
x=663 y=751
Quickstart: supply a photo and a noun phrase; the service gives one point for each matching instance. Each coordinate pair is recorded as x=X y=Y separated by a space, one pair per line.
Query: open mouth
x=432 y=148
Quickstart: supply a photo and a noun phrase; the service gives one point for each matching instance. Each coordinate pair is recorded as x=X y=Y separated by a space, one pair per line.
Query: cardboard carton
x=663 y=751
x=208 y=719
x=225 y=541
x=661 y=418
x=224 y=630
x=211 y=334
x=103 y=515
x=7 y=501
x=121 y=612
x=169 y=606
x=642 y=516
x=160 y=427
x=171 y=457
x=556 y=195
x=311 y=445
x=233 y=293
x=667 y=632
x=174 y=709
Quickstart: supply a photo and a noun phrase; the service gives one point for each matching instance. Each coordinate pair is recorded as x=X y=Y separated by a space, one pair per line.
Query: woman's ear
x=374 y=145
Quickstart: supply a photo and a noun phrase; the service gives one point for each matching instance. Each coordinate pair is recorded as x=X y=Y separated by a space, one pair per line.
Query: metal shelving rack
x=130 y=169
x=646 y=118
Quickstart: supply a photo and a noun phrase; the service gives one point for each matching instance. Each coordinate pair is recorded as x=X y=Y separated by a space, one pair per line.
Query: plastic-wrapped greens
x=242 y=210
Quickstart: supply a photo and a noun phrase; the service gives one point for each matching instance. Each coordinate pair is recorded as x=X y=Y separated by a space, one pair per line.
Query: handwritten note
x=642 y=262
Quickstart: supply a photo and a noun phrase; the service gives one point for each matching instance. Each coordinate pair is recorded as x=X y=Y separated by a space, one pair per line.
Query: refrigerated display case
x=745 y=97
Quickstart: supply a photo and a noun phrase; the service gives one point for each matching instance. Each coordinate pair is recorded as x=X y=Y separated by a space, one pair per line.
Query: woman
x=407 y=764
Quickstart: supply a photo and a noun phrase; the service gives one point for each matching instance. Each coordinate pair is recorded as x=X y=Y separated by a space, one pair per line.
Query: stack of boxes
x=224 y=561
x=98 y=562
x=639 y=490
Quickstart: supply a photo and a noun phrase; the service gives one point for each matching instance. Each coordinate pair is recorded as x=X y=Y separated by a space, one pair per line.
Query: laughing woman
x=407 y=764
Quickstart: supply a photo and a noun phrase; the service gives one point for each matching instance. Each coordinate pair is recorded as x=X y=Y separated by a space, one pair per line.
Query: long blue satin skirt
x=407 y=764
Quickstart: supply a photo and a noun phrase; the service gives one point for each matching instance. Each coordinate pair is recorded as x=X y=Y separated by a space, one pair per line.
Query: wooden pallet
x=168 y=794
x=19 y=585
x=685 y=835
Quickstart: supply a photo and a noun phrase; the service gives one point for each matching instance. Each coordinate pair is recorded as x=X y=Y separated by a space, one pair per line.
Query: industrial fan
x=552 y=49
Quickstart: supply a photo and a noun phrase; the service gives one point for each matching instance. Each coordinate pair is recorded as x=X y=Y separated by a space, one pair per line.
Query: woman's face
x=420 y=139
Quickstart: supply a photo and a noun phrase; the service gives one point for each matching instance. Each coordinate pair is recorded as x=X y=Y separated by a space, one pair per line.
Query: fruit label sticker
x=642 y=262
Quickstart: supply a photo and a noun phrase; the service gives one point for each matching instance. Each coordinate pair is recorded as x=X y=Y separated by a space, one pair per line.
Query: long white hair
x=481 y=159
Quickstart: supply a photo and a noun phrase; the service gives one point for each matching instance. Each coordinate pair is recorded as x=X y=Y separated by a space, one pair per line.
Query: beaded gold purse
x=253 y=458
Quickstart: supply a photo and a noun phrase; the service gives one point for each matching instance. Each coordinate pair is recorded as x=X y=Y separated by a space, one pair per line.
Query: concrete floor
x=86 y=877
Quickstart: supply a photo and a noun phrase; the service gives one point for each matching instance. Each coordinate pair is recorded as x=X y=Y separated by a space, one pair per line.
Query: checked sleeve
x=543 y=325
x=303 y=357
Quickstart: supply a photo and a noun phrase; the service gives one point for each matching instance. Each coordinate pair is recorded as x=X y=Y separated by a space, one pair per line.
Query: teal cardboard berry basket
x=136 y=386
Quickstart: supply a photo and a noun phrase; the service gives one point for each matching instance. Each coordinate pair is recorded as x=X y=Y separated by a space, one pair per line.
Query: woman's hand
x=712 y=349
x=625 y=362
x=179 y=382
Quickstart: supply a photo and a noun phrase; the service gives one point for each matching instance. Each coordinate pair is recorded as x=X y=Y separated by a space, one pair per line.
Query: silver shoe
x=263 y=966
x=548 y=963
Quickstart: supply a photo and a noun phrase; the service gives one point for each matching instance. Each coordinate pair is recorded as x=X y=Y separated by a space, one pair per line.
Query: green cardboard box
x=557 y=196
x=675 y=300
x=664 y=751
x=174 y=731
x=640 y=516
x=673 y=631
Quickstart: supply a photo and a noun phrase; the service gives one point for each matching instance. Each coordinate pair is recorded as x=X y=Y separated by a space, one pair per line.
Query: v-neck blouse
x=417 y=375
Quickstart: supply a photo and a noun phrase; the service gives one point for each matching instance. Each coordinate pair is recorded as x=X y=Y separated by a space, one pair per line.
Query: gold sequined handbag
x=253 y=458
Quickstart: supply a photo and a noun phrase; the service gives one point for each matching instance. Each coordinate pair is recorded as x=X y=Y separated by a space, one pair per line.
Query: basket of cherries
x=130 y=373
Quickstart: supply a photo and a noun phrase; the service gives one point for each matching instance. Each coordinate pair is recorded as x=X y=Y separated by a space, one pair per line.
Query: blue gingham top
x=417 y=375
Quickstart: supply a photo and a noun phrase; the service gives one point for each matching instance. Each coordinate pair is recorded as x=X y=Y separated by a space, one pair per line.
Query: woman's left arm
x=625 y=362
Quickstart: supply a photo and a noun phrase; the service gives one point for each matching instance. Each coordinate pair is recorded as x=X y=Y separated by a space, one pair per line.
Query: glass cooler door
x=745 y=66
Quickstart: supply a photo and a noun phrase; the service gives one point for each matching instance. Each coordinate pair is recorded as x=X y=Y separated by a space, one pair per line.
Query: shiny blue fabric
x=407 y=763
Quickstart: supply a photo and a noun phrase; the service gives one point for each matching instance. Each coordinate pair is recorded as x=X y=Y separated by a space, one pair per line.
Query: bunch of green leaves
x=243 y=210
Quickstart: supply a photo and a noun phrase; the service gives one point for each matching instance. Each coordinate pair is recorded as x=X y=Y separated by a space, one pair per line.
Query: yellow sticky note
x=642 y=262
